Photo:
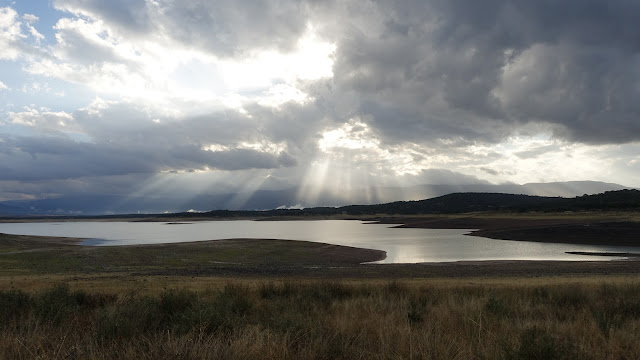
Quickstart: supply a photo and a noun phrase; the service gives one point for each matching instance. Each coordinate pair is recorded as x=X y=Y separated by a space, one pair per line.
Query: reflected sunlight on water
x=403 y=245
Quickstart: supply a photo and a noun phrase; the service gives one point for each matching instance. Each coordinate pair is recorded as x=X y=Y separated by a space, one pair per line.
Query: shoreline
x=575 y=230
x=601 y=228
x=245 y=258
x=616 y=229
x=292 y=258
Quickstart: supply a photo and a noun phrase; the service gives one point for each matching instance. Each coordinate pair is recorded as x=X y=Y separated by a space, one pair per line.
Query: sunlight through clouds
x=246 y=191
x=324 y=102
x=523 y=159
x=355 y=143
x=352 y=159
x=315 y=181
x=310 y=60
x=153 y=70
x=264 y=146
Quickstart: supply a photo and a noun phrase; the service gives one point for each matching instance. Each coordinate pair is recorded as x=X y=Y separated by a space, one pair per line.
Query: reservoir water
x=402 y=245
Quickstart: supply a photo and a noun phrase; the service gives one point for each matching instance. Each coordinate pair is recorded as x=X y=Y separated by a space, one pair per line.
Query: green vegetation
x=302 y=319
x=41 y=255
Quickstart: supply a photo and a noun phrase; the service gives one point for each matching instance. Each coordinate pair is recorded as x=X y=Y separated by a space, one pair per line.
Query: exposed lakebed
x=402 y=245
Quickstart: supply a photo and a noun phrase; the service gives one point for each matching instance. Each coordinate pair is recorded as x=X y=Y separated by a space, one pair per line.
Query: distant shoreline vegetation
x=455 y=203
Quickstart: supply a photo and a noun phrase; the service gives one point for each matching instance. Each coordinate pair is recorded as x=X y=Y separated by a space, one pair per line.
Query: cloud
x=137 y=53
x=15 y=43
x=30 y=18
x=444 y=176
x=10 y=34
x=223 y=28
x=347 y=92
x=43 y=121
x=132 y=16
x=46 y=158
x=479 y=71
x=3 y=86
x=419 y=71
x=109 y=138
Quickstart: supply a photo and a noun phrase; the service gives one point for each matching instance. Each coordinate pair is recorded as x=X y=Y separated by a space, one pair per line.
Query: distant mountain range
x=628 y=199
x=619 y=200
x=12 y=210
x=262 y=199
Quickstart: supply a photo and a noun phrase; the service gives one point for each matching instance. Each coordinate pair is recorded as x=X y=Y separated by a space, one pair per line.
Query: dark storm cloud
x=440 y=73
x=44 y=158
x=452 y=68
x=433 y=69
x=131 y=127
x=124 y=140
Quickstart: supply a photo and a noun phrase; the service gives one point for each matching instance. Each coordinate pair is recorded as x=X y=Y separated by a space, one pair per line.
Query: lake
x=402 y=245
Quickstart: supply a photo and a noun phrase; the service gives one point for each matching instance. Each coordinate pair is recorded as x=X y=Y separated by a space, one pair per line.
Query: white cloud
x=35 y=87
x=3 y=86
x=310 y=60
x=280 y=94
x=10 y=34
x=30 y=18
x=156 y=71
x=43 y=120
x=263 y=146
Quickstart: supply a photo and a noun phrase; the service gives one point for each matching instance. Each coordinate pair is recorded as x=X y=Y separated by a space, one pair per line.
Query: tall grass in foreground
x=327 y=320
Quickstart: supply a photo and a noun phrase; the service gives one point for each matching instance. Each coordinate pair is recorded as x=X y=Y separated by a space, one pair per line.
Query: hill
x=622 y=200
x=87 y=204
x=474 y=202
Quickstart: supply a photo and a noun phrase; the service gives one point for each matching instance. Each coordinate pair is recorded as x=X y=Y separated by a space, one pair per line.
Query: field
x=274 y=299
x=563 y=318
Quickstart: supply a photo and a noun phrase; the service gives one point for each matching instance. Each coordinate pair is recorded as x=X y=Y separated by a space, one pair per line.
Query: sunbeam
x=246 y=191
x=314 y=182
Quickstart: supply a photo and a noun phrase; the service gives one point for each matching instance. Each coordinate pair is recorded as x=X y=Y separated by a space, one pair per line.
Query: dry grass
x=133 y=312
x=318 y=319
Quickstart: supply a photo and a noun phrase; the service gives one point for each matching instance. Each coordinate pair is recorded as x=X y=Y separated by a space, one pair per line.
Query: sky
x=136 y=98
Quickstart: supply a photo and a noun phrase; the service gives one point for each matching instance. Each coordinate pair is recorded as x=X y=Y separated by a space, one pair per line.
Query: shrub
x=497 y=307
x=57 y=303
x=135 y=317
x=13 y=303
x=537 y=343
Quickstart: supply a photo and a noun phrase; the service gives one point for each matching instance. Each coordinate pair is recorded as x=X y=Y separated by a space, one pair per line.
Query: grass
x=43 y=255
x=320 y=319
x=137 y=303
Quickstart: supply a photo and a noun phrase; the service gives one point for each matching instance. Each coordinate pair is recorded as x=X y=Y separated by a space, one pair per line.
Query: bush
x=537 y=343
x=13 y=303
x=135 y=317
x=496 y=307
x=271 y=290
x=175 y=302
x=56 y=304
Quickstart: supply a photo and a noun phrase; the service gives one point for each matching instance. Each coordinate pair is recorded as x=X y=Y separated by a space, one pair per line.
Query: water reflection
x=402 y=245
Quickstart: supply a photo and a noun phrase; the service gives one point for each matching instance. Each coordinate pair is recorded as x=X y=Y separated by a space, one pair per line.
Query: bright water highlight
x=402 y=245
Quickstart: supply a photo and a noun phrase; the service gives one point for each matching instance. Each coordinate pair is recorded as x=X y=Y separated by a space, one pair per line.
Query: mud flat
x=569 y=229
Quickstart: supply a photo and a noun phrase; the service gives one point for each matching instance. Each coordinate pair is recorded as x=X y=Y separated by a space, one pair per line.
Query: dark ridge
x=618 y=200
